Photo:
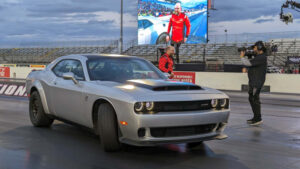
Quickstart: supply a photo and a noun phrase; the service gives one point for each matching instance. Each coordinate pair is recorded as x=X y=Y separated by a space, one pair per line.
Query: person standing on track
x=165 y=63
x=178 y=22
x=257 y=69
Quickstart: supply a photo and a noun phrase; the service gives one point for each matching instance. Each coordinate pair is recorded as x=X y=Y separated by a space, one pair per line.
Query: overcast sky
x=65 y=20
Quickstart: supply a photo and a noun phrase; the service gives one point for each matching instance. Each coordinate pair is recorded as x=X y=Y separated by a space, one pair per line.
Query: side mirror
x=167 y=75
x=70 y=76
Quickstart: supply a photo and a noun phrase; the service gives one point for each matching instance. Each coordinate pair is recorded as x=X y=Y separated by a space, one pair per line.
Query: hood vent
x=174 y=88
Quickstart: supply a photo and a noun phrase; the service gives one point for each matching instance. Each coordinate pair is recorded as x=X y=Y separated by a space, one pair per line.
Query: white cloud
x=249 y=26
x=12 y=1
x=102 y=16
x=22 y=36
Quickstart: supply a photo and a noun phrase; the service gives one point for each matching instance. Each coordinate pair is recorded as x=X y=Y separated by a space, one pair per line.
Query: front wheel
x=161 y=38
x=37 y=115
x=108 y=128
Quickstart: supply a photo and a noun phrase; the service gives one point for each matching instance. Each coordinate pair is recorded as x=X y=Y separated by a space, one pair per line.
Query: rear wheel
x=38 y=117
x=108 y=128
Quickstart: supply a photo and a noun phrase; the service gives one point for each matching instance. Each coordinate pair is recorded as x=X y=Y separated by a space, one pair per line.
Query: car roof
x=95 y=56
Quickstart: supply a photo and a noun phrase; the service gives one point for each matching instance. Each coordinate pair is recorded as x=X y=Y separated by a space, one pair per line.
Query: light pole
x=121 y=30
x=225 y=35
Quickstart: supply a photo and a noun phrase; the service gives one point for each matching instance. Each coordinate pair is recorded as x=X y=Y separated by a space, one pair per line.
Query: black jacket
x=257 y=71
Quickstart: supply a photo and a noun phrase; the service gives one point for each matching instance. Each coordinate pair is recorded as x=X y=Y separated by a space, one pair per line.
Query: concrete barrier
x=21 y=72
x=279 y=83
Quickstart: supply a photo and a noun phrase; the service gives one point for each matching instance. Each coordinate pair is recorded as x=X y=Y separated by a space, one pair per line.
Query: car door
x=67 y=97
x=141 y=32
x=148 y=30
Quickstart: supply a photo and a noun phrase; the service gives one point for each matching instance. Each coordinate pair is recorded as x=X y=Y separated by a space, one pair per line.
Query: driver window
x=147 y=24
x=73 y=66
x=140 y=24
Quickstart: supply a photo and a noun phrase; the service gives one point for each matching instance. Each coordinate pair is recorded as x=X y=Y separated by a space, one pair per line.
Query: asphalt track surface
x=273 y=145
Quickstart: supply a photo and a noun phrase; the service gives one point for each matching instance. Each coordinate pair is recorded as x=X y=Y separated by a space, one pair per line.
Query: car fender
x=37 y=84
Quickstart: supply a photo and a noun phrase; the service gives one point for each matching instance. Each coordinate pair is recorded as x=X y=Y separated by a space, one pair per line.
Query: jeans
x=255 y=102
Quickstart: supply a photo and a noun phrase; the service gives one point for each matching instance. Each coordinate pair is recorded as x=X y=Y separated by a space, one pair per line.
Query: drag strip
x=274 y=145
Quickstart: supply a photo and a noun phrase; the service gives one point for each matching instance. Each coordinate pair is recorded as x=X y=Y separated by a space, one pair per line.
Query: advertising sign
x=38 y=66
x=294 y=59
x=4 y=72
x=8 y=88
x=185 y=77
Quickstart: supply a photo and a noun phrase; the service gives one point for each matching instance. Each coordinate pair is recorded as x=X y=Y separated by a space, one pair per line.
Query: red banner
x=4 y=72
x=185 y=77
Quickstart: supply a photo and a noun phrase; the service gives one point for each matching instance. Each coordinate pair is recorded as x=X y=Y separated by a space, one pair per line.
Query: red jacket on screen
x=177 y=23
x=165 y=63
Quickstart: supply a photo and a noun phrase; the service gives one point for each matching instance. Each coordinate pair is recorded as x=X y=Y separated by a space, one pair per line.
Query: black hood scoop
x=173 y=88
x=163 y=85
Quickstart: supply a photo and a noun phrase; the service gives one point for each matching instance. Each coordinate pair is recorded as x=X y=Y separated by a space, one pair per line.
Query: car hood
x=161 y=89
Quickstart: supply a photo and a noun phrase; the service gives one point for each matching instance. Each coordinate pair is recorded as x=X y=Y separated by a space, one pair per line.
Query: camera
x=249 y=52
x=287 y=18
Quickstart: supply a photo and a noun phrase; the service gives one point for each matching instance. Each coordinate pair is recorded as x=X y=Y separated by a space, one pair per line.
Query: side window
x=96 y=69
x=73 y=66
x=140 y=24
x=147 y=24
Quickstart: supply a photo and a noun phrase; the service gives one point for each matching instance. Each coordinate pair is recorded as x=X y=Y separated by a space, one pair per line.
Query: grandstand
x=44 y=55
x=222 y=53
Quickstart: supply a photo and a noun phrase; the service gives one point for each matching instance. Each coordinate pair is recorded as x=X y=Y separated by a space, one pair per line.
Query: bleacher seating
x=46 y=55
x=218 y=52
x=286 y=47
x=224 y=53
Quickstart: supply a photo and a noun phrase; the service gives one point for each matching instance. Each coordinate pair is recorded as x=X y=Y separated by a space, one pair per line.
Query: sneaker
x=221 y=137
x=256 y=123
x=250 y=120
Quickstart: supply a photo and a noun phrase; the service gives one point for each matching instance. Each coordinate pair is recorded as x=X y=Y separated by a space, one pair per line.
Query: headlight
x=138 y=106
x=214 y=103
x=149 y=106
x=223 y=102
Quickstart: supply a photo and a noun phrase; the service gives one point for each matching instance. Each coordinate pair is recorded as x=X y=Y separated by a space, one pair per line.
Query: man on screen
x=177 y=21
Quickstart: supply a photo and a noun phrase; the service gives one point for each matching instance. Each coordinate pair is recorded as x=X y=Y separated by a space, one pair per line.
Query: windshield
x=122 y=69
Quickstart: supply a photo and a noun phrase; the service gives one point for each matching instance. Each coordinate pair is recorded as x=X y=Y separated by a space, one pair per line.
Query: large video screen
x=154 y=21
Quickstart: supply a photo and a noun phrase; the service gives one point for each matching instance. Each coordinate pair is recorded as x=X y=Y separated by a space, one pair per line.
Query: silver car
x=125 y=100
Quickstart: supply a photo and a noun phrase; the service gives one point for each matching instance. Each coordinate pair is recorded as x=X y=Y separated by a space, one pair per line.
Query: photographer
x=257 y=68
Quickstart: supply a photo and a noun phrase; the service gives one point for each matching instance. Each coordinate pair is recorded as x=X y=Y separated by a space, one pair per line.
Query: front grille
x=182 y=106
x=181 y=131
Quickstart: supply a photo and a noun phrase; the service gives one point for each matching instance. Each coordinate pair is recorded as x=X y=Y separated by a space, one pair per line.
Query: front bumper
x=170 y=120
x=155 y=142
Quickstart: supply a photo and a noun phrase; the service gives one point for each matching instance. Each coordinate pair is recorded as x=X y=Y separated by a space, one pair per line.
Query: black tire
x=37 y=115
x=161 y=38
x=108 y=128
x=194 y=144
